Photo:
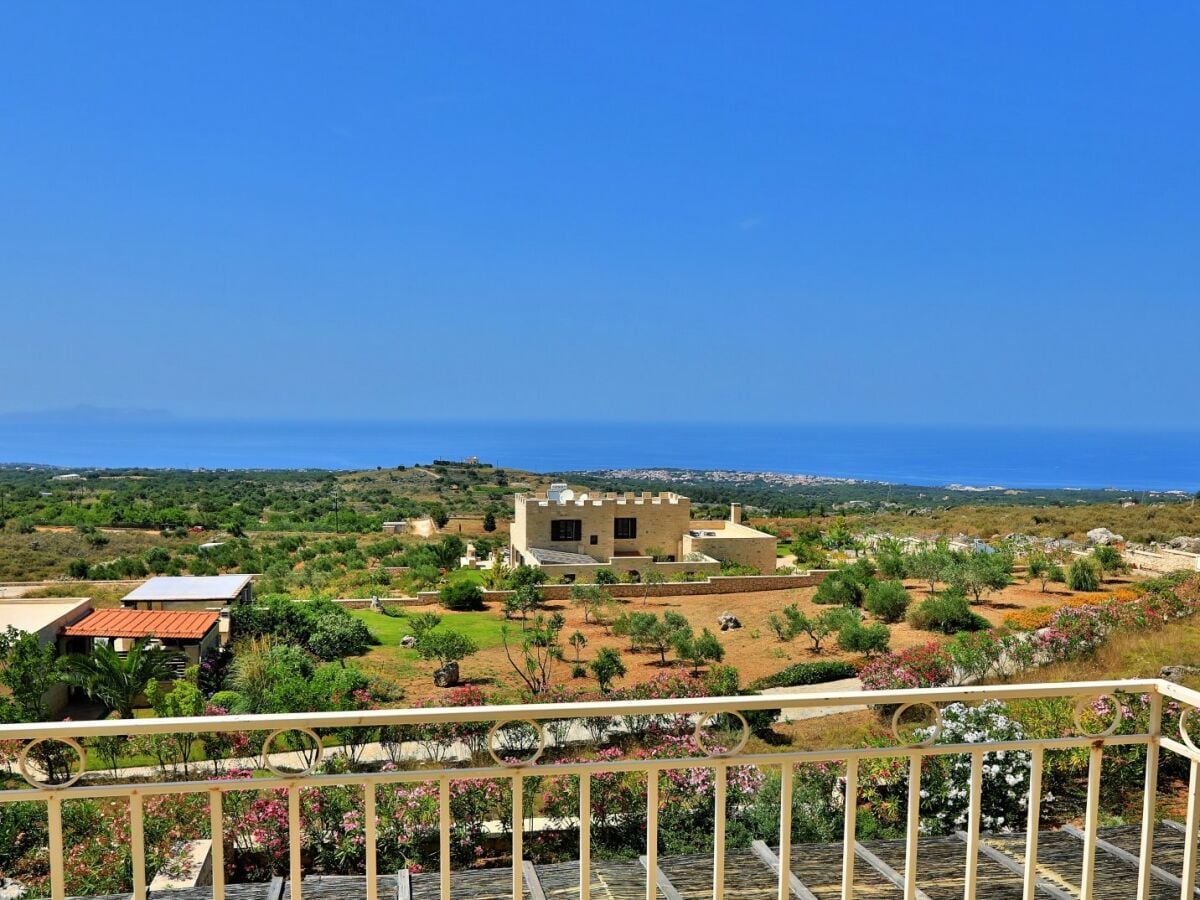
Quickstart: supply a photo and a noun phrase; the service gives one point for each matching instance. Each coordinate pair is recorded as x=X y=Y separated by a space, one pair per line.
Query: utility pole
x=337 y=522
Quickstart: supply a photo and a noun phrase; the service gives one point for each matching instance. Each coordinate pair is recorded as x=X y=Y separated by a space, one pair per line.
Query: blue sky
x=872 y=212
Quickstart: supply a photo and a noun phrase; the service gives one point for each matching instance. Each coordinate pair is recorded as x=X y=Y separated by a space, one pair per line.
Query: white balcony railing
x=1146 y=879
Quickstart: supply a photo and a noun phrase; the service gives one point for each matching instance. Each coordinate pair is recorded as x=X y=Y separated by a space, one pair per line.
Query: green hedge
x=805 y=673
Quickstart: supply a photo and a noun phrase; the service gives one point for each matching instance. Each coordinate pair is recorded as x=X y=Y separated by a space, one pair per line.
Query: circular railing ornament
x=23 y=759
x=515 y=763
x=698 y=735
x=1077 y=715
x=308 y=770
x=934 y=734
x=1183 y=731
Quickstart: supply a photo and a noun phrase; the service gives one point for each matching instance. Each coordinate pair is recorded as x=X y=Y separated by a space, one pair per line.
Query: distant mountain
x=84 y=414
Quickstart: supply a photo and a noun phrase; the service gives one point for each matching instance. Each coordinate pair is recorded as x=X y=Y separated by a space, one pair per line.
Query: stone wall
x=623 y=564
x=716 y=584
x=1164 y=559
x=365 y=602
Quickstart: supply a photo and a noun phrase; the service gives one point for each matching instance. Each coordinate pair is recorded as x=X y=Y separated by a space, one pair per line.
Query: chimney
x=735 y=513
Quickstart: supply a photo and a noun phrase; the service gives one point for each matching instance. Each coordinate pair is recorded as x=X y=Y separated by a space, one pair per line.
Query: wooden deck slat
x=660 y=878
x=1061 y=859
x=799 y=889
x=884 y=869
x=1168 y=845
x=819 y=866
x=1131 y=858
x=1012 y=864
x=533 y=884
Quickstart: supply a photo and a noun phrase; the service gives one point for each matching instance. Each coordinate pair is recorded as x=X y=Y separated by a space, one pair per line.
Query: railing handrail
x=539 y=712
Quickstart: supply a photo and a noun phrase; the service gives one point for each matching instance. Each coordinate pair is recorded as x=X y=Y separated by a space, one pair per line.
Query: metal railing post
x=1087 y=878
x=1150 y=798
x=652 y=834
x=1036 y=759
x=721 y=776
x=585 y=836
x=850 y=829
x=216 y=823
x=914 y=827
x=971 y=874
x=786 y=779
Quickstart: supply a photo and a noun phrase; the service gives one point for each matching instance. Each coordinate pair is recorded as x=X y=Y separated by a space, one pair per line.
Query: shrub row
x=1072 y=632
x=804 y=673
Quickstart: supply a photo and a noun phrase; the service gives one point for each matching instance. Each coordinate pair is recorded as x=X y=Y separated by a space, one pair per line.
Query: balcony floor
x=941 y=862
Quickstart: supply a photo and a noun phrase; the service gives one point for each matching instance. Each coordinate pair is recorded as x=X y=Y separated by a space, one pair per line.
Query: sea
x=980 y=457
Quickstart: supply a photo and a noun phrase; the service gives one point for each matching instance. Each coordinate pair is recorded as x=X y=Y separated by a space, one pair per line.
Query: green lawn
x=396 y=663
x=471 y=576
x=483 y=627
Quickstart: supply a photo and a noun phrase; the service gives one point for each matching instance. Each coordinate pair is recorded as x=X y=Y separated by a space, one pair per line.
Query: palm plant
x=117 y=680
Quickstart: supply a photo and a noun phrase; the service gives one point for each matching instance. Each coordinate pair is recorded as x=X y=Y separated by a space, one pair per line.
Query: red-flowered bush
x=922 y=666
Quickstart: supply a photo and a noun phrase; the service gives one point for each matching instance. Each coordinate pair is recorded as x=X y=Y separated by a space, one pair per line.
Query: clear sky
x=792 y=212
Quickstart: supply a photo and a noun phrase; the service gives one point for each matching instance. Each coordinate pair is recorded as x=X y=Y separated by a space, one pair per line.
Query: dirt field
x=753 y=649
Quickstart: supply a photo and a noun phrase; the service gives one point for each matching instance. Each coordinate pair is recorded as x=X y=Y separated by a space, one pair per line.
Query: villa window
x=566 y=530
x=594 y=540
x=624 y=529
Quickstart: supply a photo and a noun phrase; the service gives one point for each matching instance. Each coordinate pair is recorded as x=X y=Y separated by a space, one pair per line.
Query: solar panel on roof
x=561 y=557
x=190 y=587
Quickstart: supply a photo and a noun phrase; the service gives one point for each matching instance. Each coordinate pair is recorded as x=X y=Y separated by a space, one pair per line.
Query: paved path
x=817 y=712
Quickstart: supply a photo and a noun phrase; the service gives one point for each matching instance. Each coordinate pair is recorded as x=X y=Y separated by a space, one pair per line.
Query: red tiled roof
x=138 y=623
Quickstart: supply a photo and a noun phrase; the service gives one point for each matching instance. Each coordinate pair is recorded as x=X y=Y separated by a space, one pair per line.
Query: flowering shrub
x=1070 y=632
x=97 y=857
x=333 y=832
x=1074 y=631
x=1029 y=619
x=685 y=798
x=661 y=687
x=946 y=780
x=438 y=740
x=9 y=751
x=221 y=745
x=922 y=666
x=353 y=740
x=1122 y=777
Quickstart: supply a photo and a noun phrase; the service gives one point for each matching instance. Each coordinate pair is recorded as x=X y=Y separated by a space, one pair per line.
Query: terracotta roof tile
x=138 y=623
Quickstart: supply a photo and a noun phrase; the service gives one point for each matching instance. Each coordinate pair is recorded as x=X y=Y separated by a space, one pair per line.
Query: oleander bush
x=946 y=780
x=921 y=666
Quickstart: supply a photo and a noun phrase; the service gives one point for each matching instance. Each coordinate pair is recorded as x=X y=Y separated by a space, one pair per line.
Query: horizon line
x=92 y=415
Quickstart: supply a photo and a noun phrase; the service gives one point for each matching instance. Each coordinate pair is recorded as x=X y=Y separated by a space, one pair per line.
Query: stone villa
x=574 y=535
